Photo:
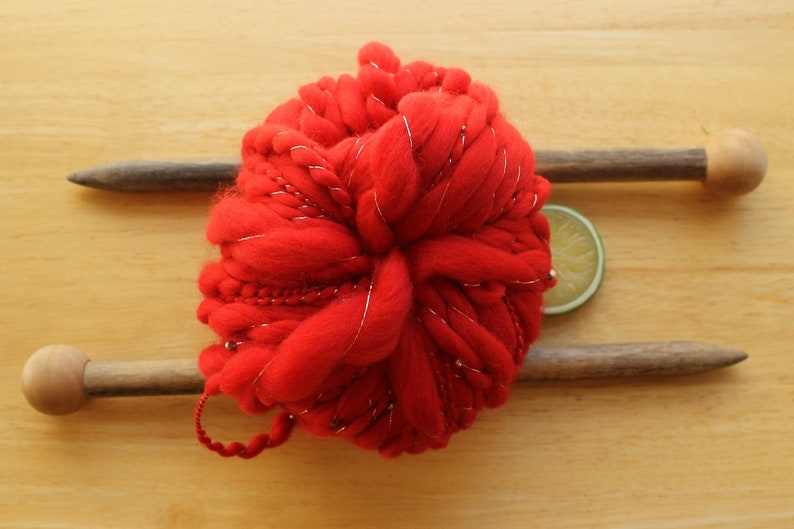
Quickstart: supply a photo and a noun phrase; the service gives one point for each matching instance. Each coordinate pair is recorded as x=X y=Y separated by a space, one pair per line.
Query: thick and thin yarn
x=382 y=261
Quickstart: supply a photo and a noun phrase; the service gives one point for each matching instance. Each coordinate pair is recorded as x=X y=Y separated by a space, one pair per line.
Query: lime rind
x=600 y=260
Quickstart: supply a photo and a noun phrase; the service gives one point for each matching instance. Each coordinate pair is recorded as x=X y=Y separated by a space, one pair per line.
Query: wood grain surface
x=85 y=83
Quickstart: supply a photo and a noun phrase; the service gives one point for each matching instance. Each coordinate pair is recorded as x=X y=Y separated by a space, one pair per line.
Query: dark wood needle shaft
x=616 y=165
x=732 y=162
x=59 y=379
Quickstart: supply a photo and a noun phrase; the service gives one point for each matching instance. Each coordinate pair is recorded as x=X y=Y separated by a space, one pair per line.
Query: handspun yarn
x=382 y=261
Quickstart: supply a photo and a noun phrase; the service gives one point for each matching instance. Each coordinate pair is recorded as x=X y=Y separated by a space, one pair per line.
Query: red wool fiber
x=382 y=261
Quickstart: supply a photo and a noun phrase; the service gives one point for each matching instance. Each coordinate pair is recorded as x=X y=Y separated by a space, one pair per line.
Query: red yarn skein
x=383 y=261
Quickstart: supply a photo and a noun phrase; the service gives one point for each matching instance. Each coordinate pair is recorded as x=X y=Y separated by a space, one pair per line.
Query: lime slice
x=577 y=256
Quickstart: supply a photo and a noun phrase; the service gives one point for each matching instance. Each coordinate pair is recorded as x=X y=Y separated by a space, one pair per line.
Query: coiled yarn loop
x=382 y=260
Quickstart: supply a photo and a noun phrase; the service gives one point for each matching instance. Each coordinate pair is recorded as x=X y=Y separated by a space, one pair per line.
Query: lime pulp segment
x=578 y=259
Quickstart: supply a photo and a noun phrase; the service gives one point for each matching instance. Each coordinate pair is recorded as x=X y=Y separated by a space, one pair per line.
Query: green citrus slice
x=577 y=256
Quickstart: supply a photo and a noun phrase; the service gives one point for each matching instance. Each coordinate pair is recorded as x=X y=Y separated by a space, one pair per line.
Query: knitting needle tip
x=154 y=176
x=641 y=359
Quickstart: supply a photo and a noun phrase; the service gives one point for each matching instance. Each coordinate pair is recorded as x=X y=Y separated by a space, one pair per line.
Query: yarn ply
x=382 y=261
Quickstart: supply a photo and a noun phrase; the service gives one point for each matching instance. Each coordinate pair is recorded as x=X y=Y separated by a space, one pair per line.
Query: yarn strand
x=280 y=431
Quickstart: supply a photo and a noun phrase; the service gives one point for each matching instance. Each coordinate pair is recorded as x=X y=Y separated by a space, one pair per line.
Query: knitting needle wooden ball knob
x=736 y=162
x=52 y=379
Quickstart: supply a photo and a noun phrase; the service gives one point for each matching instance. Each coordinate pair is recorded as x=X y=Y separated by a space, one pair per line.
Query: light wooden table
x=86 y=82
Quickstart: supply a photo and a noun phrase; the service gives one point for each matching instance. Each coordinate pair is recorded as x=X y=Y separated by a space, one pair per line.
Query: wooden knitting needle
x=59 y=379
x=732 y=162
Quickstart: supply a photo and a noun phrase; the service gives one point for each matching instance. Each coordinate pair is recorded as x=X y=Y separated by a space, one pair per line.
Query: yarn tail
x=280 y=431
